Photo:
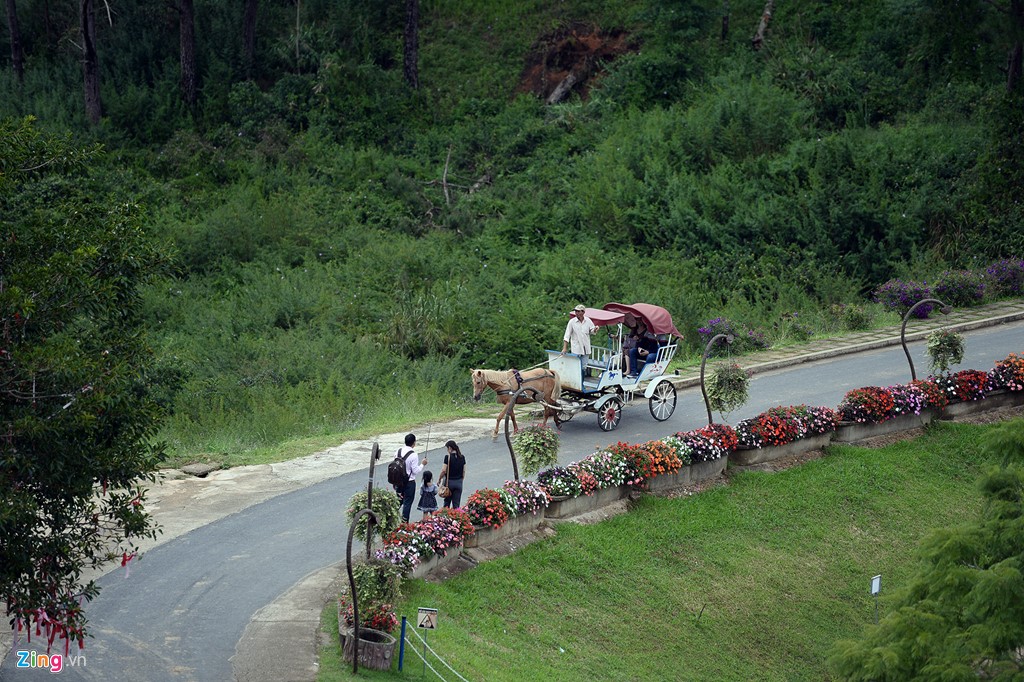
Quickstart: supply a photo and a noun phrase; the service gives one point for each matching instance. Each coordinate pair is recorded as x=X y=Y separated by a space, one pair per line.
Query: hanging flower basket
x=727 y=388
x=945 y=349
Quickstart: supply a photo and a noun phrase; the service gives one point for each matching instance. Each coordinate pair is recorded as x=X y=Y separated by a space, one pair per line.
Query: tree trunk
x=1013 y=65
x=17 y=56
x=762 y=26
x=412 y=43
x=187 y=35
x=1013 y=68
x=725 y=21
x=249 y=37
x=90 y=63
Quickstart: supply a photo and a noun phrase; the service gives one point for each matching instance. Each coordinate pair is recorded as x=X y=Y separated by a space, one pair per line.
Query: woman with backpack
x=452 y=474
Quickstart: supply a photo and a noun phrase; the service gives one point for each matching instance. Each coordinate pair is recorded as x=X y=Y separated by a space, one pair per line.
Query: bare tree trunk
x=762 y=26
x=187 y=40
x=17 y=55
x=725 y=21
x=563 y=89
x=90 y=63
x=412 y=43
x=1013 y=65
x=1013 y=68
x=249 y=37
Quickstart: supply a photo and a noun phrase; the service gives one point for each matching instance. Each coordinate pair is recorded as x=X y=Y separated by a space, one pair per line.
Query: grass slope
x=750 y=581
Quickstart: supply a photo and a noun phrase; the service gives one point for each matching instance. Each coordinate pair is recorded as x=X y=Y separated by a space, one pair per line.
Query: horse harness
x=520 y=381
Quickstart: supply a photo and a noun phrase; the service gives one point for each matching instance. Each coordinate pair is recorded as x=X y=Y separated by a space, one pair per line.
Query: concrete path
x=281 y=640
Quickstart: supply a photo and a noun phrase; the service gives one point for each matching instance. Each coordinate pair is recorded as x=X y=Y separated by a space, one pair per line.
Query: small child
x=428 y=495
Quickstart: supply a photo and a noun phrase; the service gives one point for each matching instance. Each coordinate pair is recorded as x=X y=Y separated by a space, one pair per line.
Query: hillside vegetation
x=347 y=246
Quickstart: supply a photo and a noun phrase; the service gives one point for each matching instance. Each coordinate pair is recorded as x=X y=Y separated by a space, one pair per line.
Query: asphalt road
x=182 y=611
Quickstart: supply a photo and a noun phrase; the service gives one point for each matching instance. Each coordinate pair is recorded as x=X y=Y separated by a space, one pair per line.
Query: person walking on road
x=413 y=467
x=452 y=474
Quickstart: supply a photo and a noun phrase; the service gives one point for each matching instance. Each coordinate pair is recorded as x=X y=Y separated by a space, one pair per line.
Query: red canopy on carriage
x=657 y=319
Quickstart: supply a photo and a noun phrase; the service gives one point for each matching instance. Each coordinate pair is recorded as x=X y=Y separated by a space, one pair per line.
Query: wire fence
x=422 y=643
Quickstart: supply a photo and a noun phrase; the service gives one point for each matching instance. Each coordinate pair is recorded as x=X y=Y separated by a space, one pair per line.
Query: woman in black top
x=452 y=473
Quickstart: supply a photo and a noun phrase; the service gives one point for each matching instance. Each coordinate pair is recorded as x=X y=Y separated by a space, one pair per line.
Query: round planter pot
x=376 y=648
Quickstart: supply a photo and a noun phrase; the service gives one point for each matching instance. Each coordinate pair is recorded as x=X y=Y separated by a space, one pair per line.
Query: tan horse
x=545 y=382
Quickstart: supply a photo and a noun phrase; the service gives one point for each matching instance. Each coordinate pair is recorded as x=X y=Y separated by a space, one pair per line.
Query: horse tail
x=556 y=388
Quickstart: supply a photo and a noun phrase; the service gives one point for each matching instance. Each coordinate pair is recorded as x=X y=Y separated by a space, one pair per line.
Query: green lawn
x=750 y=581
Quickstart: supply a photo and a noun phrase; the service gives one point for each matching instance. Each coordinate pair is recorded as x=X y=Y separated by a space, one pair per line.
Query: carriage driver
x=578 y=331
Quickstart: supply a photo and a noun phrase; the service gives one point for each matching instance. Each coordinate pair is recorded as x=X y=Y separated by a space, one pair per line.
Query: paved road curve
x=182 y=611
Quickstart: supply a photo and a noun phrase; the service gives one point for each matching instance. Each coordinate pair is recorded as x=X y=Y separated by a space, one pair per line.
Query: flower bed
x=675 y=461
x=868 y=405
x=1008 y=373
x=783 y=425
x=412 y=544
x=964 y=386
x=484 y=537
x=851 y=432
x=747 y=455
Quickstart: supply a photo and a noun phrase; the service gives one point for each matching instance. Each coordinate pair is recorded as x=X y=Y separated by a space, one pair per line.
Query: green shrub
x=851 y=316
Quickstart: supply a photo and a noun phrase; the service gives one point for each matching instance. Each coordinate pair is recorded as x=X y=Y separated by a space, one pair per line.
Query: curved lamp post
x=535 y=394
x=352 y=583
x=370 y=520
x=943 y=308
x=728 y=338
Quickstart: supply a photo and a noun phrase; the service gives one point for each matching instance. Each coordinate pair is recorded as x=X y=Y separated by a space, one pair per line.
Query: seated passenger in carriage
x=646 y=351
x=636 y=330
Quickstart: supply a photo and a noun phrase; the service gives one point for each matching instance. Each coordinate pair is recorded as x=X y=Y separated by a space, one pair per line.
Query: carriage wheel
x=609 y=415
x=562 y=417
x=663 y=402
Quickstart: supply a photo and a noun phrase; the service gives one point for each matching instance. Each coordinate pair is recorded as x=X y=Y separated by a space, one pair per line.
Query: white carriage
x=597 y=383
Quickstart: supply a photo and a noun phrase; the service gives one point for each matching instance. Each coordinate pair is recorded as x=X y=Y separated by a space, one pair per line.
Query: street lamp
x=728 y=338
x=944 y=309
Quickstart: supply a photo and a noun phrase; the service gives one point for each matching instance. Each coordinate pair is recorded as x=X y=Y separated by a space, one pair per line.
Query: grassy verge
x=229 y=452
x=754 y=580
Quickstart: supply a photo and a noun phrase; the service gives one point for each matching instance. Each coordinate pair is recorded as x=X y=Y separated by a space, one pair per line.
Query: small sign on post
x=876 y=587
x=426 y=619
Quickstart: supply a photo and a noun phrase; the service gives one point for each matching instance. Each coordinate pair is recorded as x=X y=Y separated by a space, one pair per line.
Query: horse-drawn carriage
x=598 y=382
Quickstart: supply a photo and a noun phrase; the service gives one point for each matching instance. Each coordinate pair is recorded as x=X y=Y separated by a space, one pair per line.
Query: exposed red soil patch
x=578 y=48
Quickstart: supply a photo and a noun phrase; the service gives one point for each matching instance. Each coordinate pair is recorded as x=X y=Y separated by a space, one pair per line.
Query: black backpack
x=397 y=476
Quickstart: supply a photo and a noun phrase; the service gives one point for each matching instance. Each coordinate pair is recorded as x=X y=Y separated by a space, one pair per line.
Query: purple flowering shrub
x=744 y=338
x=961 y=288
x=1006 y=277
x=901 y=296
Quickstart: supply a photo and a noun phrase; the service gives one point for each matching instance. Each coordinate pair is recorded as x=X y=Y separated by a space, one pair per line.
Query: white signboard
x=876 y=584
x=426 y=619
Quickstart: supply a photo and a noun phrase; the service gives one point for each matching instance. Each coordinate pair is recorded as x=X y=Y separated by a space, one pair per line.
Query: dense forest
x=361 y=199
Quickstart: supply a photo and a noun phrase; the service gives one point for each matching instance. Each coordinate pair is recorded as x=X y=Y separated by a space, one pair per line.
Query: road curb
x=761 y=367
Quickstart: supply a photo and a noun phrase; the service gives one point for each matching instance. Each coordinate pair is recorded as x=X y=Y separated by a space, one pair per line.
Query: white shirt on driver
x=577 y=334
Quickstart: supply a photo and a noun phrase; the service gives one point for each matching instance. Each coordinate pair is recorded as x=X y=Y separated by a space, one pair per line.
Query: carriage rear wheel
x=563 y=416
x=663 y=402
x=609 y=415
